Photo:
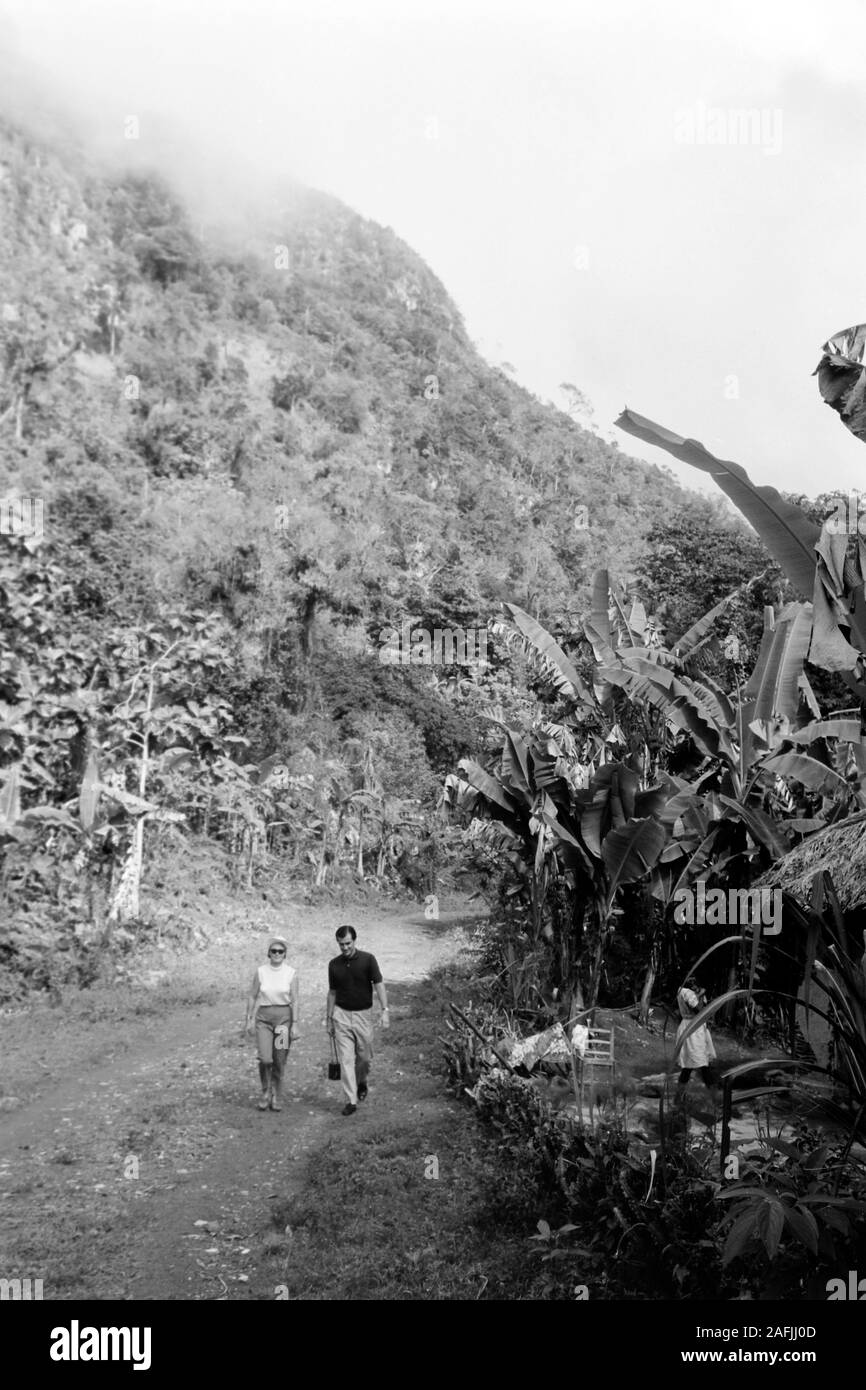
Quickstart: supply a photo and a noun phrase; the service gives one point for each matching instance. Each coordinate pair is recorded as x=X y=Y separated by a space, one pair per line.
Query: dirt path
x=136 y=1166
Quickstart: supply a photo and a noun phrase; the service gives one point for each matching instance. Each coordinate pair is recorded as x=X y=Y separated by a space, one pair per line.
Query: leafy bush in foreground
x=629 y=1222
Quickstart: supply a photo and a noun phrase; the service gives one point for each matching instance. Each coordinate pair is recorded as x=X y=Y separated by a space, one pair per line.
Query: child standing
x=697 y=1052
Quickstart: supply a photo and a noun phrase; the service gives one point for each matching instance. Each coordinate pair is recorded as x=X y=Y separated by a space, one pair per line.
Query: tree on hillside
x=696 y=558
x=578 y=405
x=36 y=337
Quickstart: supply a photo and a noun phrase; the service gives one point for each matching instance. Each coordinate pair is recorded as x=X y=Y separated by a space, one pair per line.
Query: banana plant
x=576 y=797
x=600 y=837
x=764 y=773
x=747 y=776
x=762 y=758
x=822 y=562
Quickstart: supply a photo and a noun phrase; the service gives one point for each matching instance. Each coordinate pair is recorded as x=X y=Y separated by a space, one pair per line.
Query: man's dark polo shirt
x=352 y=980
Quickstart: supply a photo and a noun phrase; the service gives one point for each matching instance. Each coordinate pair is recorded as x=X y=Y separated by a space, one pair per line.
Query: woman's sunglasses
x=276 y=953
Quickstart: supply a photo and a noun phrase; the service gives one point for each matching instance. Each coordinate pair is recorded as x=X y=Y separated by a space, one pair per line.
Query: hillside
x=338 y=383
x=257 y=444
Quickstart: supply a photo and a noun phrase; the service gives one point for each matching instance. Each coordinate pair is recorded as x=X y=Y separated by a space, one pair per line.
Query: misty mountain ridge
x=277 y=417
x=282 y=348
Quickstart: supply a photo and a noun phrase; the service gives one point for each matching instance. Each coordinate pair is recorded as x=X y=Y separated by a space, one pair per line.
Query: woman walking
x=275 y=991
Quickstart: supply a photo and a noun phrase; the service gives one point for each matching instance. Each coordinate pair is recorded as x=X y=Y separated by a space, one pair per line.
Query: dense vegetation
x=252 y=461
x=253 y=454
x=651 y=768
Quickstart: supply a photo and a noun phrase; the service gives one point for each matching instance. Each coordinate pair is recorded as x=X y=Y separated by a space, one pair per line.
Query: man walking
x=352 y=977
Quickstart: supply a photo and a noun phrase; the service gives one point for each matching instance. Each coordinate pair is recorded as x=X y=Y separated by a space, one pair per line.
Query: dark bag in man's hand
x=334 y=1065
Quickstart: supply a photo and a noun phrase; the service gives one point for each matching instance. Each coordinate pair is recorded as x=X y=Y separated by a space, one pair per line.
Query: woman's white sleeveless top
x=275 y=984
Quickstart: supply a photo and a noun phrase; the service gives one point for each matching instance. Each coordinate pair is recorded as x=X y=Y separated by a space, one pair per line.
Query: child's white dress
x=697 y=1050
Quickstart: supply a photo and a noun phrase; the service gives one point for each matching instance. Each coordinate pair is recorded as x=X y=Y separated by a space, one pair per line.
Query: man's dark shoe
x=348 y=1109
x=362 y=1091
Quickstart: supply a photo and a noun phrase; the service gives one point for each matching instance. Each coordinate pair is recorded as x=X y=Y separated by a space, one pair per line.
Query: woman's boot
x=265 y=1078
x=276 y=1090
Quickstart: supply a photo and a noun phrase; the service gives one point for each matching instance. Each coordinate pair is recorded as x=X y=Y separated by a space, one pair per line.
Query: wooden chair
x=599 y=1053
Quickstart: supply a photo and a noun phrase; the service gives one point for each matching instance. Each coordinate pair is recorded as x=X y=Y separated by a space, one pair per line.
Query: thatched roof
x=841 y=849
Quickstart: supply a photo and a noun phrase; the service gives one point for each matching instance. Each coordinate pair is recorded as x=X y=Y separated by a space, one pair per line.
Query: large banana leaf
x=488 y=786
x=787 y=532
x=704 y=695
x=847 y=730
x=830 y=648
x=568 y=848
x=699 y=860
x=638 y=623
x=565 y=675
x=849 y=760
x=545 y=772
x=687 y=805
x=613 y=790
x=623 y=789
x=809 y=694
x=662 y=883
x=601 y=648
x=690 y=639
x=838 y=603
x=832 y=546
x=651 y=802
x=753 y=684
x=842 y=377
x=761 y=827
x=674 y=699
x=631 y=851
x=515 y=765
x=631 y=626
x=715 y=701
x=605 y=656
x=816 y=776
x=778 y=695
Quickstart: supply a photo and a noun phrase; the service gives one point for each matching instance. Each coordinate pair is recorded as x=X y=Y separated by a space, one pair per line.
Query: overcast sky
x=559 y=167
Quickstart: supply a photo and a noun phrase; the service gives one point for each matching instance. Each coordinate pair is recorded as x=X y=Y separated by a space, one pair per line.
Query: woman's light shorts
x=268 y=1019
